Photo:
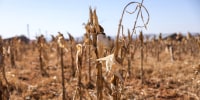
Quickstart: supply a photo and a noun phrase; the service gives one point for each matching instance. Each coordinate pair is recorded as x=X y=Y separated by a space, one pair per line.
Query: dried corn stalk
x=94 y=28
x=41 y=48
x=141 y=52
x=4 y=93
x=79 y=55
x=159 y=46
x=87 y=43
x=61 y=45
x=12 y=52
x=72 y=41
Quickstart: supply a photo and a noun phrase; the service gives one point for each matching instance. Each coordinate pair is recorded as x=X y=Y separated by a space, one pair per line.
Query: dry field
x=100 y=68
x=163 y=78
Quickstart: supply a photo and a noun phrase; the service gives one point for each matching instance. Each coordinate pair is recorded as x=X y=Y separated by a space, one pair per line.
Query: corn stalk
x=141 y=56
x=71 y=38
x=171 y=50
x=159 y=47
x=4 y=93
x=140 y=6
x=94 y=28
x=61 y=48
x=41 y=43
x=79 y=59
x=89 y=59
x=87 y=43
x=146 y=48
x=12 y=53
x=62 y=73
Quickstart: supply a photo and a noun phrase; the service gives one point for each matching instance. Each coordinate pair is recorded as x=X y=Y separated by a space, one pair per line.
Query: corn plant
x=41 y=43
x=99 y=65
x=72 y=41
x=61 y=44
x=87 y=44
x=4 y=93
x=138 y=8
x=12 y=52
x=171 y=50
x=79 y=60
x=147 y=47
x=159 y=47
x=94 y=28
x=141 y=37
x=120 y=48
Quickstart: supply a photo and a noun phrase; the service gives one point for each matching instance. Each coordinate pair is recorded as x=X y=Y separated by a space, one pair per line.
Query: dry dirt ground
x=164 y=80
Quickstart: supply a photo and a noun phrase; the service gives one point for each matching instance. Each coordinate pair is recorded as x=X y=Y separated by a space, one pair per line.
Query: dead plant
x=94 y=28
x=72 y=42
x=61 y=43
x=141 y=37
x=4 y=93
x=41 y=47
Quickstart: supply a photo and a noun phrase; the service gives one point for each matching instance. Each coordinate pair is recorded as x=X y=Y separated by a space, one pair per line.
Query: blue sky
x=50 y=16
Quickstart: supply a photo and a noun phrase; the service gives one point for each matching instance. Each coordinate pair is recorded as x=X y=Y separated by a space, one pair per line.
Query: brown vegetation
x=134 y=68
